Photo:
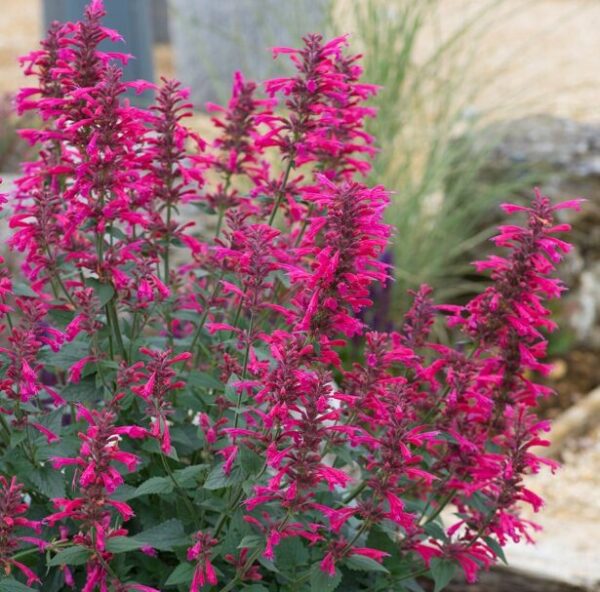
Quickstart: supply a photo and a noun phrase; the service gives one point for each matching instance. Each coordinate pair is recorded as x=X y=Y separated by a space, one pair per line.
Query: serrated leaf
x=268 y=564
x=250 y=462
x=217 y=479
x=123 y=544
x=230 y=389
x=480 y=502
x=189 y=476
x=84 y=391
x=75 y=555
x=12 y=585
x=154 y=485
x=291 y=552
x=124 y=492
x=186 y=435
x=413 y=586
x=442 y=571
x=251 y=541
x=16 y=437
x=494 y=545
x=69 y=354
x=47 y=481
x=323 y=582
x=182 y=574
x=204 y=380
x=435 y=530
x=60 y=318
x=52 y=421
x=20 y=289
x=362 y=563
x=104 y=292
x=164 y=536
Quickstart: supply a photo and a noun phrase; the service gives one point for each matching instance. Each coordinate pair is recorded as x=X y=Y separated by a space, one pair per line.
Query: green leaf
x=435 y=530
x=61 y=318
x=189 y=476
x=442 y=571
x=217 y=479
x=323 y=582
x=496 y=548
x=291 y=553
x=182 y=574
x=250 y=462
x=124 y=493
x=68 y=354
x=230 y=389
x=16 y=437
x=75 y=555
x=186 y=435
x=85 y=391
x=104 y=292
x=164 y=536
x=47 y=481
x=204 y=380
x=480 y=502
x=154 y=485
x=411 y=586
x=361 y=563
x=11 y=585
x=251 y=541
x=123 y=544
x=268 y=564
x=20 y=289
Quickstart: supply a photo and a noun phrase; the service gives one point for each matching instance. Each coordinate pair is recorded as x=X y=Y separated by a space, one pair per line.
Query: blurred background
x=481 y=101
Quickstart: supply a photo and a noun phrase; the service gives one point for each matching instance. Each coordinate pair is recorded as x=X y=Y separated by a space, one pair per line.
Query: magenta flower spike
x=190 y=394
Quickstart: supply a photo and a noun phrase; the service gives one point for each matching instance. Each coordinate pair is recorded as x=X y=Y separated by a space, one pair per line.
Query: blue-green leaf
x=75 y=555
x=182 y=574
x=442 y=571
x=323 y=582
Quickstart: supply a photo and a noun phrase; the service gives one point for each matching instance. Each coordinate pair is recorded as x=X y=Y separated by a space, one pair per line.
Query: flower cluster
x=12 y=510
x=200 y=402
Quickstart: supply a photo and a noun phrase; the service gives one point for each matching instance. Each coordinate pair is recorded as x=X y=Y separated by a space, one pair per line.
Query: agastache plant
x=192 y=402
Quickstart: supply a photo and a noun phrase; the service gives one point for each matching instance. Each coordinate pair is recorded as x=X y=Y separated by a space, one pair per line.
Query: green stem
x=445 y=501
x=252 y=559
x=167 y=272
x=222 y=208
x=111 y=313
x=5 y=426
x=35 y=550
x=354 y=493
x=204 y=317
x=219 y=222
x=281 y=192
x=232 y=583
x=245 y=369
x=56 y=279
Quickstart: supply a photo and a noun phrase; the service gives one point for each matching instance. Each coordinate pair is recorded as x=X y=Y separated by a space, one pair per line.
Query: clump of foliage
x=175 y=412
